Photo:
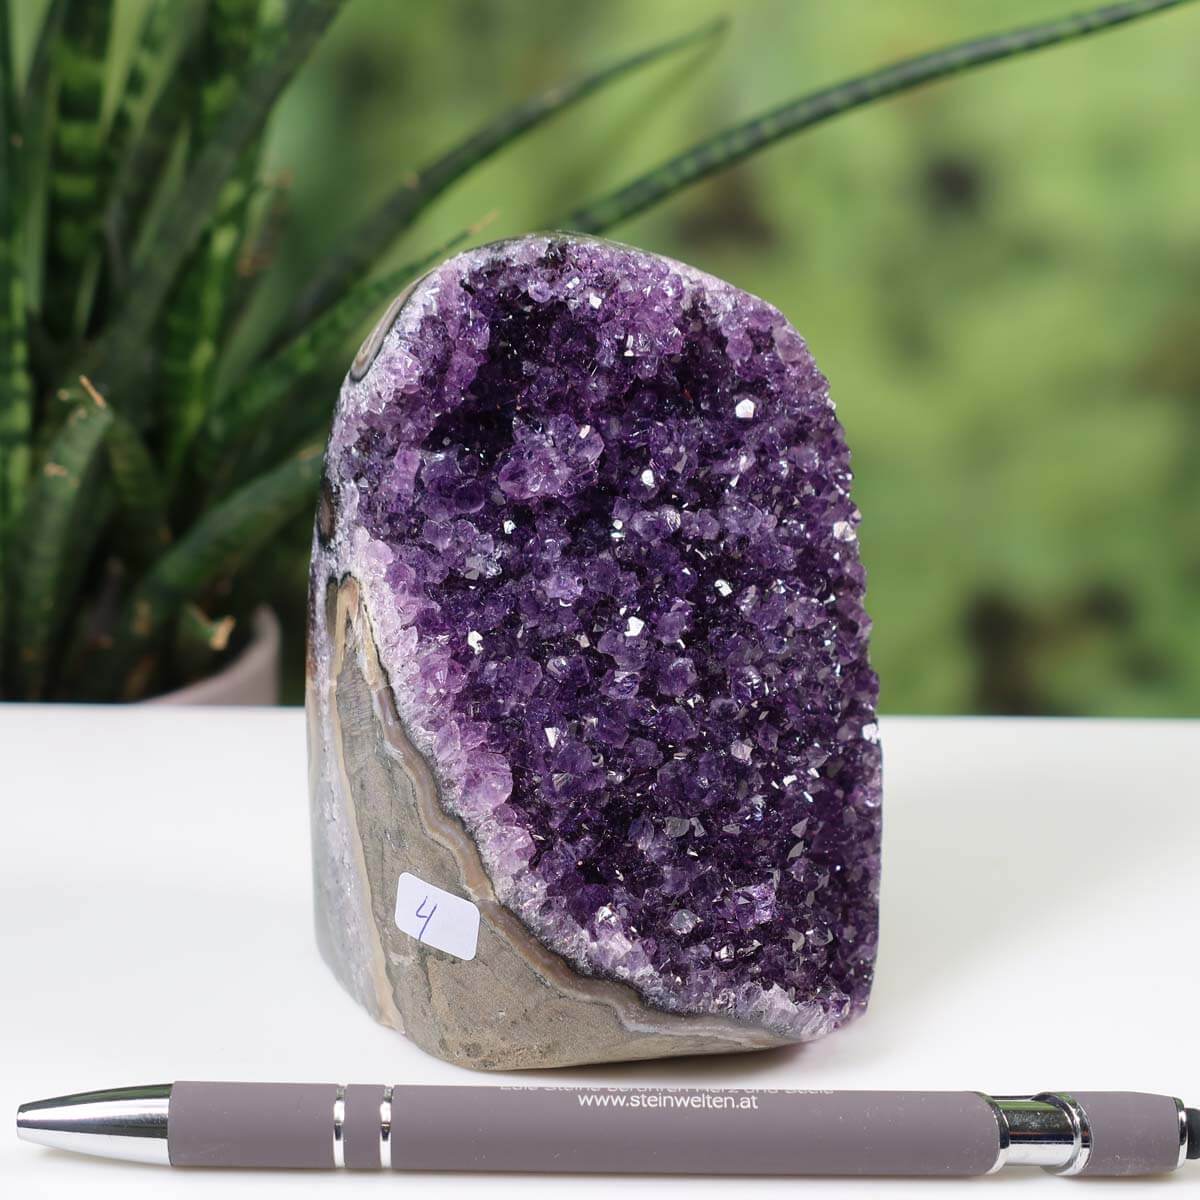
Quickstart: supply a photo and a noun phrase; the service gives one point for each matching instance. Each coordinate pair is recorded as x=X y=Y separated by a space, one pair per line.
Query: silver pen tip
x=126 y=1123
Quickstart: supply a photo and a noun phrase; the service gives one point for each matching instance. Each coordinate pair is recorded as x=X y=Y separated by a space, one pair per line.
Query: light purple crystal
x=599 y=505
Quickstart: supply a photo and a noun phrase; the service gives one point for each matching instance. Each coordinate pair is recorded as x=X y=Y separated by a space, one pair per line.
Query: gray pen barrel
x=696 y=1131
x=625 y=1130
x=1132 y=1133
x=251 y=1124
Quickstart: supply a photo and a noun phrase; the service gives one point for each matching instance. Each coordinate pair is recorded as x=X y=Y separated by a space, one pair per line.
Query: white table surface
x=1040 y=906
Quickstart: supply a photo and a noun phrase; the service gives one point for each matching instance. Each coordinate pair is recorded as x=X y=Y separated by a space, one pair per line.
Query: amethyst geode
x=588 y=647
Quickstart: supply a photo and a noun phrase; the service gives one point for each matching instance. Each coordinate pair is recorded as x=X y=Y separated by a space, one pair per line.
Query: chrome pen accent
x=1040 y=1131
x=1081 y=1132
x=127 y=1123
x=385 y=1129
x=339 y=1126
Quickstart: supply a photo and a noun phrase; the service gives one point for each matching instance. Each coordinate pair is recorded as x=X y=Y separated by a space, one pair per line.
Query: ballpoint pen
x=643 y=1130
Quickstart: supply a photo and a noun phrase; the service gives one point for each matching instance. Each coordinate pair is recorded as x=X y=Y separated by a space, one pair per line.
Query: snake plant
x=134 y=487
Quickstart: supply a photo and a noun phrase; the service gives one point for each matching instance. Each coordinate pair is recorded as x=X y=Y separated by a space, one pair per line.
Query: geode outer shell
x=587 y=647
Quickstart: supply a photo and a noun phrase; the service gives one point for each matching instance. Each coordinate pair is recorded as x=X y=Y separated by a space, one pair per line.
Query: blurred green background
x=1000 y=274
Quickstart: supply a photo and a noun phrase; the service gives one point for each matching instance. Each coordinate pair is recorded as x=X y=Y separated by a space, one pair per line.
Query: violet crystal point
x=588 y=651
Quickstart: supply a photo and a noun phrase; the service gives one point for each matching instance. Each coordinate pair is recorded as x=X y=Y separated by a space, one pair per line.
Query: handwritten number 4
x=428 y=916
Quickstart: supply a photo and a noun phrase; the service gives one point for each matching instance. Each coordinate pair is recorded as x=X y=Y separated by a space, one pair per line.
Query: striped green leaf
x=738 y=142
x=139 y=170
x=58 y=530
x=145 y=70
x=77 y=162
x=195 y=314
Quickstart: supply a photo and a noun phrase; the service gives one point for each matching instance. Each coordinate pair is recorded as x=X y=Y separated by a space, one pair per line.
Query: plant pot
x=252 y=677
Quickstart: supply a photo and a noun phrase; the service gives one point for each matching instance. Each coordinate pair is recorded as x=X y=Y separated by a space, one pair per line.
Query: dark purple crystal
x=600 y=506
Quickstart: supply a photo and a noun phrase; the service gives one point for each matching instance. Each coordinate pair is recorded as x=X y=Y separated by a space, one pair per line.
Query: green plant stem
x=738 y=142
x=217 y=545
x=372 y=236
x=118 y=355
x=77 y=164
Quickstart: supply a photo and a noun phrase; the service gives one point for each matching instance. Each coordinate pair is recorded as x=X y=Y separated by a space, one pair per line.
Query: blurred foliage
x=997 y=272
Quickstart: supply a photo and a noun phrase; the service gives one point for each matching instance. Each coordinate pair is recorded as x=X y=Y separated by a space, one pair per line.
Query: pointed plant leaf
x=372 y=236
x=57 y=541
x=738 y=142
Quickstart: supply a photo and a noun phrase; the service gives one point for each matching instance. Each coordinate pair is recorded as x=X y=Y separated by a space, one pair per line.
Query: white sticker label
x=436 y=917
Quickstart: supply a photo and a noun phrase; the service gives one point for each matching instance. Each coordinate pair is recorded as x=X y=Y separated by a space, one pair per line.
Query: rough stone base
x=376 y=814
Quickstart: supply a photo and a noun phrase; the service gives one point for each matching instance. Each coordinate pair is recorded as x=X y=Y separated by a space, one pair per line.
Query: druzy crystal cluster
x=599 y=504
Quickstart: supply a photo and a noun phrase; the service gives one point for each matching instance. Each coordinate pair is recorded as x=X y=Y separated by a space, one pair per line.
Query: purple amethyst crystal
x=598 y=504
